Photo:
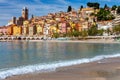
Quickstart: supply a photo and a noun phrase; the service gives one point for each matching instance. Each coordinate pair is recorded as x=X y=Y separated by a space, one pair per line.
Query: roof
x=87 y=9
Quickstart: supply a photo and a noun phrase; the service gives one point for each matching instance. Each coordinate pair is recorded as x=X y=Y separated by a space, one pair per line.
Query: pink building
x=63 y=28
x=0 y=29
x=3 y=30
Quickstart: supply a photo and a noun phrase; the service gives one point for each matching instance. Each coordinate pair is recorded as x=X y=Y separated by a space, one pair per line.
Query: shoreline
x=105 y=69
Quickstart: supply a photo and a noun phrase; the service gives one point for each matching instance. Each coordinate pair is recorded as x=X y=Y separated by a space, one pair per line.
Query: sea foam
x=49 y=67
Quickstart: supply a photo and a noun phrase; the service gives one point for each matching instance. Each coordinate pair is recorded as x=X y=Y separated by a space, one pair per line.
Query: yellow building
x=25 y=27
x=85 y=25
x=72 y=24
x=53 y=29
x=17 y=30
x=26 y=23
x=39 y=29
x=88 y=10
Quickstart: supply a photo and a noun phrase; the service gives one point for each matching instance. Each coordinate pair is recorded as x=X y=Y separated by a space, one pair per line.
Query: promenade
x=7 y=38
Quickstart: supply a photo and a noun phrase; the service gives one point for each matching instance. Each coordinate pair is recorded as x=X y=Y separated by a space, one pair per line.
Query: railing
x=20 y=38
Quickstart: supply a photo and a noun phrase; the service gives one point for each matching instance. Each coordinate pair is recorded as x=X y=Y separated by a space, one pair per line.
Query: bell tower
x=25 y=13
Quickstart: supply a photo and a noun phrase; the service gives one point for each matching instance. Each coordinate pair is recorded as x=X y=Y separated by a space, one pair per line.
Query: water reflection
x=25 y=53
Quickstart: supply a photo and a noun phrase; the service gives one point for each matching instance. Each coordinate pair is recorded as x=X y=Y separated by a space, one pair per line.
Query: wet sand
x=106 y=69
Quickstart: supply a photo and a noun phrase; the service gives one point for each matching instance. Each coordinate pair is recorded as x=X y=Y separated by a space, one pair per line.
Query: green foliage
x=100 y=32
x=105 y=6
x=108 y=31
x=69 y=9
x=86 y=18
x=93 y=31
x=114 y=7
x=84 y=33
x=81 y=7
x=116 y=29
x=75 y=33
x=64 y=35
x=92 y=14
x=95 y=5
x=69 y=34
x=118 y=10
x=56 y=35
x=103 y=15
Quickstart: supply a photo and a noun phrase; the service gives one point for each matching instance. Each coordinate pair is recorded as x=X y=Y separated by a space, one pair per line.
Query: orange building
x=17 y=30
x=78 y=26
x=10 y=29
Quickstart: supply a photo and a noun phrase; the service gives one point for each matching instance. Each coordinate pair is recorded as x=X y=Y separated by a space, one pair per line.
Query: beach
x=105 y=69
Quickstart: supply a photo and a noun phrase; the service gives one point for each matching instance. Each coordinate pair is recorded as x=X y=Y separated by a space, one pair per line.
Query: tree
x=94 y=5
x=84 y=33
x=81 y=7
x=104 y=15
x=75 y=33
x=93 y=31
x=114 y=7
x=69 y=9
x=108 y=31
x=56 y=35
x=69 y=34
x=116 y=29
x=105 y=6
x=118 y=10
x=100 y=32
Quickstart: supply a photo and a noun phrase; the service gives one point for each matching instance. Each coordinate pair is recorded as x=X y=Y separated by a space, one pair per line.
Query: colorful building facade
x=17 y=30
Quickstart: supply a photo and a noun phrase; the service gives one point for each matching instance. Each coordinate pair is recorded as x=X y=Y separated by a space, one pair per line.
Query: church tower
x=25 y=13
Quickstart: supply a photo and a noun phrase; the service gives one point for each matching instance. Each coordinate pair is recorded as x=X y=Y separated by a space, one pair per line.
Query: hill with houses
x=86 y=21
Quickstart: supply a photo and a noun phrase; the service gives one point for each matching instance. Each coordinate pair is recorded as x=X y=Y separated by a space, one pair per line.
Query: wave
x=49 y=67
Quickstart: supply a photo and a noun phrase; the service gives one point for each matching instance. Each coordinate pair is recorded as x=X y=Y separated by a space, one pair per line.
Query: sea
x=22 y=57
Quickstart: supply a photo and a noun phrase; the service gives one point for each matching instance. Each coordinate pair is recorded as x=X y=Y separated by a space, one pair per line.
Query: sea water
x=26 y=57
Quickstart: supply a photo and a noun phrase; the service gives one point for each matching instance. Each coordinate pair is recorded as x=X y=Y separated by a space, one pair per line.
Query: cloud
x=39 y=7
x=63 y=1
x=4 y=18
x=108 y=1
x=36 y=7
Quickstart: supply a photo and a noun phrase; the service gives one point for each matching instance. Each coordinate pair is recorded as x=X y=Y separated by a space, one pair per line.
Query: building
x=63 y=28
x=39 y=29
x=85 y=25
x=25 y=13
x=3 y=30
x=86 y=12
x=53 y=29
x=10 y=29
x=25 y=28
x=20 y=21
x=14 y=20
x=17 y=30
x=32 y=30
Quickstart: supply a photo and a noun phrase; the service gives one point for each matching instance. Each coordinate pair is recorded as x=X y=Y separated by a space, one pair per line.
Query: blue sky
x=9 y=8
